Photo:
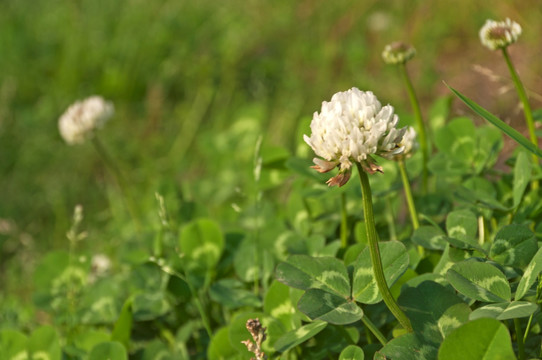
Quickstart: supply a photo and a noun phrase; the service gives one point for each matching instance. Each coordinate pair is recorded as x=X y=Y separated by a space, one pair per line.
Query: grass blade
x=507 y=129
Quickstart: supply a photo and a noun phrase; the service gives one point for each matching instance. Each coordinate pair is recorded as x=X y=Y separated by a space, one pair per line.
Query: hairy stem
x=375 y=252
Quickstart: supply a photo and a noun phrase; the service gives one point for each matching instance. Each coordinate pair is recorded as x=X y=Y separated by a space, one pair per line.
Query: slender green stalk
x=419 y=121
x=390 y=219
x=374 y=330
x=526 y=107
x=410 y=200
x=408 y=194
x=197 y=301
x=344 y=222
x=375 y=252
x=528 y=328
x=119 y=177
x=519 y=339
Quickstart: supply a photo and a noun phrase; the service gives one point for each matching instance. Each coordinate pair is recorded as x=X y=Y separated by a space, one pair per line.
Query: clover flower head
x=351 y=128
x=499 y=34
x=408 y=143
x=81 y=119
x=398 y=53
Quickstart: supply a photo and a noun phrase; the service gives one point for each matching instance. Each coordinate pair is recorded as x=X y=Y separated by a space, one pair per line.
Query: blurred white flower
x=408 y=143
x=100 y=266
x=398 y=53
x=499 y=34
x=350 y=128
x=82 y=118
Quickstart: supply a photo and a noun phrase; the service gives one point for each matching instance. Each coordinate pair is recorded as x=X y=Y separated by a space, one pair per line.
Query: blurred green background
x=195 y=83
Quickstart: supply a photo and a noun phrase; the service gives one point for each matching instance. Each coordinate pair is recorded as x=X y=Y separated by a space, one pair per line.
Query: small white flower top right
x=499 y=34
x=81 y=119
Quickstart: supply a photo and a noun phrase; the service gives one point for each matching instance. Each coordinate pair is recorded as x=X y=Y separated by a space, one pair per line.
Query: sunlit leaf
x=530 y=275
x=394 y=262
x=504 y=311
x=478 y=339
x=479 y=281
x=295 y=337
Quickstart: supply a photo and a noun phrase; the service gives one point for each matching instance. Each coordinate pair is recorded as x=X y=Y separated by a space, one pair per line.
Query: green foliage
x=478 y=339
x=229 y=222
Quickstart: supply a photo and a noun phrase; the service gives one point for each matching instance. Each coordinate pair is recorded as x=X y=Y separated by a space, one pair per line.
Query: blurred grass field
x=195 y=83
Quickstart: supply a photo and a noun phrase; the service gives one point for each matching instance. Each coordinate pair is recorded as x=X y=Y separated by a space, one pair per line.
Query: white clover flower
x=100 y=266
x=499 y=34
x=350 y=128
x=398 y=53
x=408 y=143
x=82 y=118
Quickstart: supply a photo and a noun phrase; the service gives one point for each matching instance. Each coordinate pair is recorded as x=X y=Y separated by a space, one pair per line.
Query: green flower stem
x=123 y=185
x=419 y=121
x=344 y=222
x=408 y=194
x=519 y=339
x=526 y=107
x=375 y=252
x=410 y=200
x=373 y=329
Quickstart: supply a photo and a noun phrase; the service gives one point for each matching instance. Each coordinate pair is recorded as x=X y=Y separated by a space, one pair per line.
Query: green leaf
x=514 y=245
x=318 y=304
x=87 y=339
x=232 y=294
x=44 y=343
x=529 y=276
x=295 y=337
x=149 y=306
x=522 y=176
x=13 y=345
x=430 y=237
x=462 y=225
x=352 y=352
x=252 y=261
x=394 y=261
x=407 y=347
x=457 y=138
x=306 y=272
x=220 y=347
x=504 y=127
x=278 y=304
x=201 y=242
x=123 y=326
x=504 y=311
x=479 y=281
x=434 y=310
x=478 y=339
x=158 y=350
x=111 y=350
